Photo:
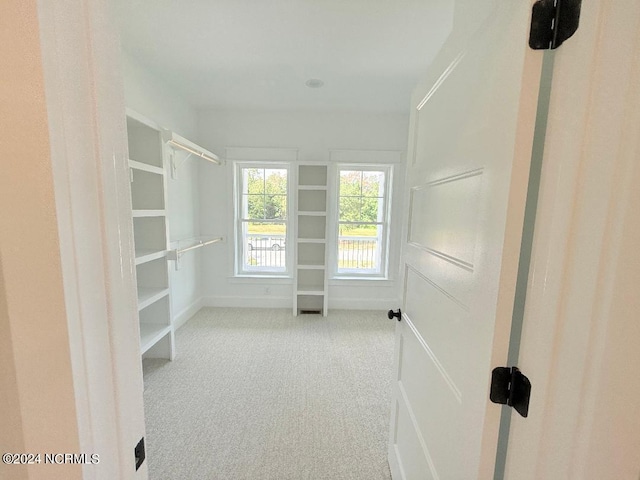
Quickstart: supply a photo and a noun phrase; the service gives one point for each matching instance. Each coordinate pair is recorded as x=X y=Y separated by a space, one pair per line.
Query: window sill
x=258 y=278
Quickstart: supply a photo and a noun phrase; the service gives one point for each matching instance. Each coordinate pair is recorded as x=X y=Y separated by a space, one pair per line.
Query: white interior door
x=468 y=166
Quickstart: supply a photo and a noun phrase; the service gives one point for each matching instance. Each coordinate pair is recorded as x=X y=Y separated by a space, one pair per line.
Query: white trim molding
x=248 y=302
x=382 y=304
x=184 y=315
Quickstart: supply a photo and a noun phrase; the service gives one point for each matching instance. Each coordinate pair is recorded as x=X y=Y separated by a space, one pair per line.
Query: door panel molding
x=411 y=445
x=434 y=88
x=437 y=287
x=433 y=360
x=448 y=234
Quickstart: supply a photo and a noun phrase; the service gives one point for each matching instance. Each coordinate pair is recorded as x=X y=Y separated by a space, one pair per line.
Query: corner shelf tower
x=151 y=235
x=311 y=280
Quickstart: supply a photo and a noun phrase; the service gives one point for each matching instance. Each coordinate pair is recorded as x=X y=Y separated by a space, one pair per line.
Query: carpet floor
x=260 y=394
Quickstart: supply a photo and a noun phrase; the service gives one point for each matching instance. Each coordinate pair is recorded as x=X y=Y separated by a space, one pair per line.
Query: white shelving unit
x=151 y=235
x=311 y=280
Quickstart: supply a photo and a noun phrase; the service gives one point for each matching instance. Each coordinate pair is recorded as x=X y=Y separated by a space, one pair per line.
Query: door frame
x=84 y=93
x=589 y=153
x=557 y=283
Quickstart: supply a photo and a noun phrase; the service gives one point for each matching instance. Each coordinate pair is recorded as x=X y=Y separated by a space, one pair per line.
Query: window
x=363 y=206
x=262 y=218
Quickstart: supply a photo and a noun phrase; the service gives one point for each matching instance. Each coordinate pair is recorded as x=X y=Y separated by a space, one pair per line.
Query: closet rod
x=202 y=155
x=198 y=245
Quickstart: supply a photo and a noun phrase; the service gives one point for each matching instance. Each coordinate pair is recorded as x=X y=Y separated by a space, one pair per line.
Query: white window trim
x=239 y=272
x=335 y=218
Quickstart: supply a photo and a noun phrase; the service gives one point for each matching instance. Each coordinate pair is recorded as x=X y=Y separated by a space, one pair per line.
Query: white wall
x=147 y=94
x=314 y=135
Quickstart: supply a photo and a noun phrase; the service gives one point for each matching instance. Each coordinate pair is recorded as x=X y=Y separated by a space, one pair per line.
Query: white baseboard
x=249 y=302
x=186 y=313
x=287 y=302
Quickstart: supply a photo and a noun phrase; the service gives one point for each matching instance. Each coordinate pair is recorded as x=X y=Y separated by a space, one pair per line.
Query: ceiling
x=258 y=54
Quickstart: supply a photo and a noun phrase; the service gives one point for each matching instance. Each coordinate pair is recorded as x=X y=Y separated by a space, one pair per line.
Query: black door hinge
x=510 y=387
x=139 y=453
x=552 y=22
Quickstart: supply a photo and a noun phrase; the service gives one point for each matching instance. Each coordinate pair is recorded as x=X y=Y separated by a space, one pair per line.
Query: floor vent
x=310 y=312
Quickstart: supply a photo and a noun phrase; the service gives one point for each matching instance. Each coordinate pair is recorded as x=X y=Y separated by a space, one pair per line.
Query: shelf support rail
x=177 y=253
x=176 y=141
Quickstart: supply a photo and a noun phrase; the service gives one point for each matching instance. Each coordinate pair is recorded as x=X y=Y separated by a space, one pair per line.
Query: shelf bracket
x=175 y=256
x=174 y=164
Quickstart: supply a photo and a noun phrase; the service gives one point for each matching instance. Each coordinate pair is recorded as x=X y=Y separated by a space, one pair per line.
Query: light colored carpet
x=260 y=394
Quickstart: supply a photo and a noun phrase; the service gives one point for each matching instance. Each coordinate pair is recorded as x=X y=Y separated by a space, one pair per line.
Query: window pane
x=276 y=207
x=252 y=180
x=350 y=183
x=264 y=246
x=262 y=226
x=371 y=210
x=276 y=181
x=253 y=206
x=373 y=184
x=361 y=199
x=355 y=209
x=359 y=248
x=350 y=209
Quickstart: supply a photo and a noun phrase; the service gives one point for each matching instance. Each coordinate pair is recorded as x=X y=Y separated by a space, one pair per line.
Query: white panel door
x=468 y=166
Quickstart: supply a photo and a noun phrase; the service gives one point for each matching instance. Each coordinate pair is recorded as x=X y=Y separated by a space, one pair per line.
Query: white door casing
x=581 y=329
x=471 y=135
x=87 y=131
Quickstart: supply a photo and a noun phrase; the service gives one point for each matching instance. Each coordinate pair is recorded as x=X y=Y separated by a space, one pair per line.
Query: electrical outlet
x=267 y=290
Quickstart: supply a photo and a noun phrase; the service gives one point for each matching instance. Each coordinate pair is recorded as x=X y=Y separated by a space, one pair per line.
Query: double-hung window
x=262 y=199
x=363 y=221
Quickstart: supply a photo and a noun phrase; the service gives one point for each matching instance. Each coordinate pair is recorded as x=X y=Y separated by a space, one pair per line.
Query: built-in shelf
x=319 y=290
x=148 y=213
x=145 y=167
x=147 y=296
x=143 y=256
x=151 y=333
x=312 y=214
x=150 y=235
x=312 y=200
x=154 y=154
x=311 y=285
x=312 y=175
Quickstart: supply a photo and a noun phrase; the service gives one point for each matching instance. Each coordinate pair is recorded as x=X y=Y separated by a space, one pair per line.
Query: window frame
x=385 y=224
x=238 y=221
